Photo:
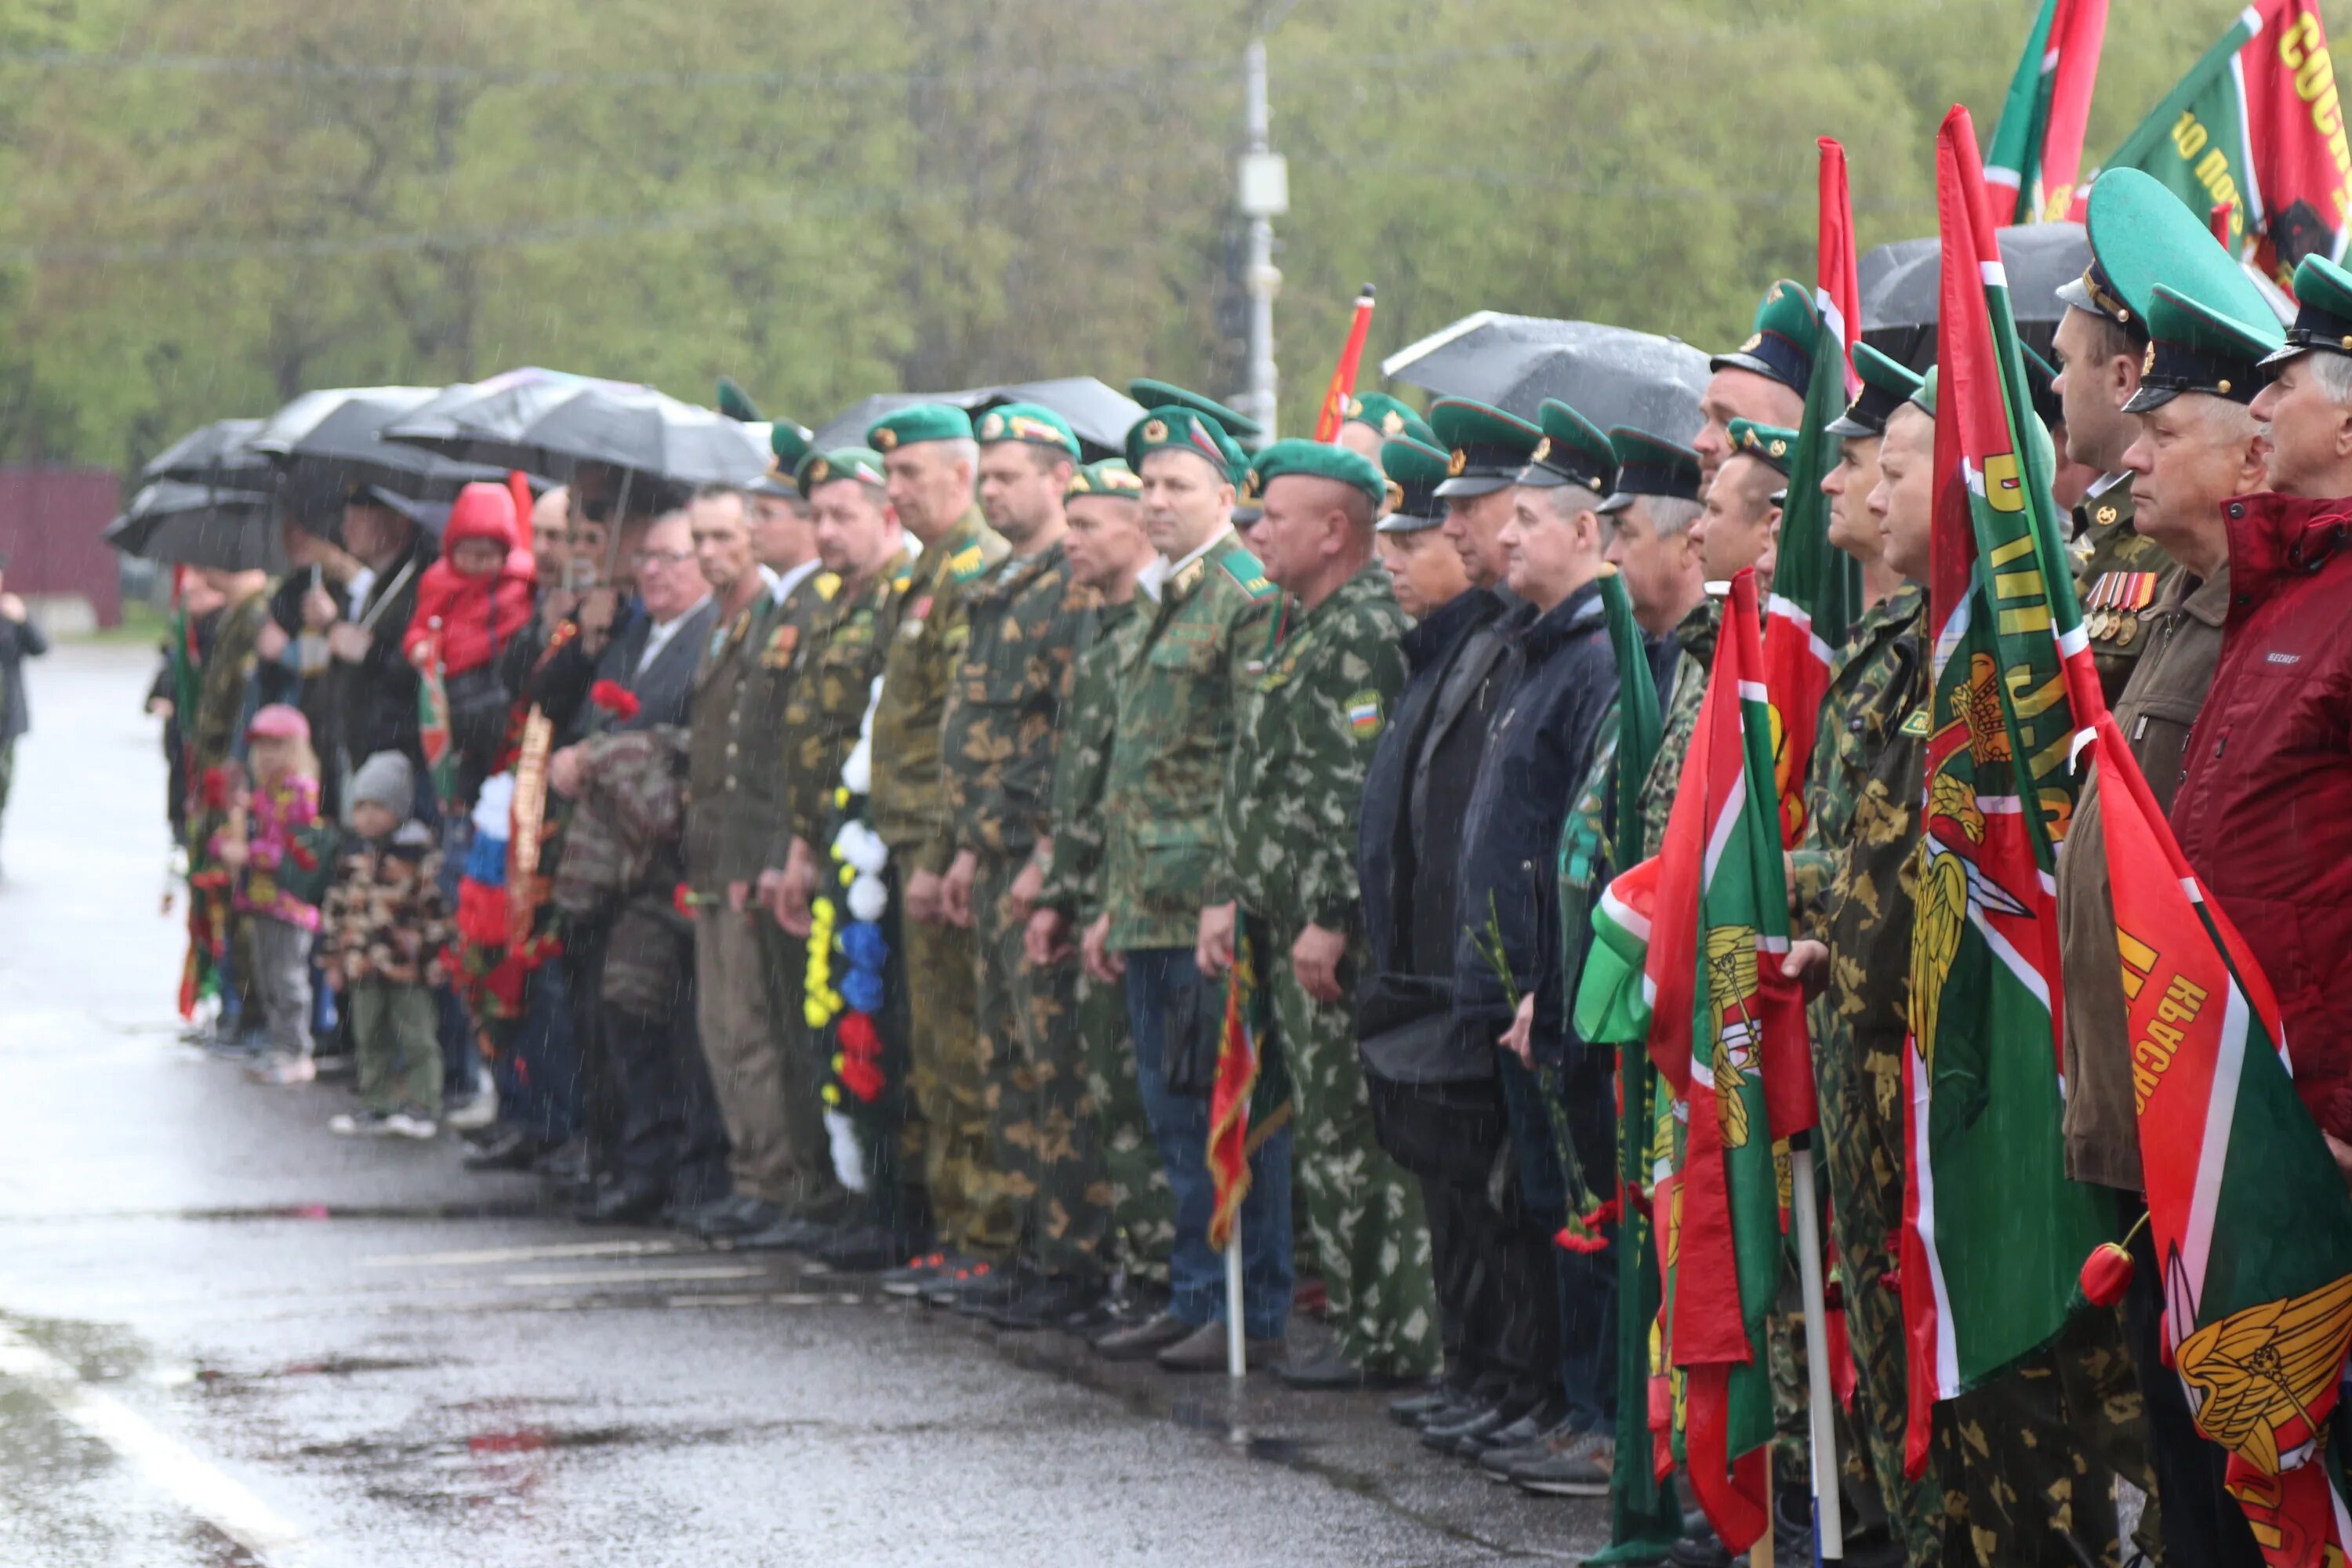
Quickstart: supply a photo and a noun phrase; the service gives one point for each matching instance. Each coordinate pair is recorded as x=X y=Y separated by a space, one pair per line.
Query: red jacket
x=2264 y=812
x=479 y=615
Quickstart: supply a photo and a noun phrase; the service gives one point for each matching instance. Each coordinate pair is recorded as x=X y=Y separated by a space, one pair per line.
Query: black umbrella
x=220 y=453
x=648 y=433
x=1611 y=375
x=485 y=421
x=326 y=442
x=200 y=525
x=1101 y=416
x=1902 y=288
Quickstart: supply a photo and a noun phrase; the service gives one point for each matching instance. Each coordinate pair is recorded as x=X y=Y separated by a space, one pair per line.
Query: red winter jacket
x=2264 y=811
x=479 y=615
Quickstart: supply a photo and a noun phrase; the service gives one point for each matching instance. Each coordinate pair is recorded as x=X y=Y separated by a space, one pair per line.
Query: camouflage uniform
x=1286 y=840
x=998 y=740
x=1142 y=1211
x=2125 y=571
x=909 y=806
x=1696 y=633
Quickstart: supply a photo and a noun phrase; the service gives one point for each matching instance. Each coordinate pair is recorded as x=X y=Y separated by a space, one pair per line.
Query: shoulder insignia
x=968 y=563
x=1915 y=724
x=1246 y=572
x=1364 y=717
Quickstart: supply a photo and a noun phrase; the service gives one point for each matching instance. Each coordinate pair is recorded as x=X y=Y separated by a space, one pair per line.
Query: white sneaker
x=404 y=1124
x=283 y=1069
x=366 y=1124
x=476 y=1113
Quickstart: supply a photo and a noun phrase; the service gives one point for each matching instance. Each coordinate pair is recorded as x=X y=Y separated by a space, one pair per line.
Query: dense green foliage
x=215 y=204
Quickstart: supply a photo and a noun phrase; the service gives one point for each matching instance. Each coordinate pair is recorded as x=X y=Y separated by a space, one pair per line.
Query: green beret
x=1415 y=470
x=1573 y=450
x=1768 y=444
x=2194 y=348
x=1886 y=385
x=916 y=423
x=841 y=463
x=1650 y=465
x=1781 y=345
x=1389 y=416
x=1175 y=427
x=1163 y=394
x=789 y=443
x=1030 y=423
x=2142 y=235
x=1488 y=448
x=735 y=403
x=1108 y=478
x=1317 y=460
x=2322 y=293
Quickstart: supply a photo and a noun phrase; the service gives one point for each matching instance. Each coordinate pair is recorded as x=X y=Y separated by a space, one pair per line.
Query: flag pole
x=1829 y=1521
x=1236 y=1348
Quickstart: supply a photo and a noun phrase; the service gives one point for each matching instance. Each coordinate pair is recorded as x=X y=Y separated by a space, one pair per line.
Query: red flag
x=2075 y=39
x=1343 y=375
x=1837 y=280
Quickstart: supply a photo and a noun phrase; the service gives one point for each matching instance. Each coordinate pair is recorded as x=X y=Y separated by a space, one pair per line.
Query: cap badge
x=1391 y=423
x=1779 y=448
x=1154 y=432
x=818 y=471
x=2147 y=361
x=1543 y=450
x=886 y=439
x=1355 y=406
x=1395 y=500
x=992 y=428
x=1755 y=341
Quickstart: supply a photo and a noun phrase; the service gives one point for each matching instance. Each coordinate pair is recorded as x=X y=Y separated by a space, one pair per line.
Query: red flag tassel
x=1342 y=390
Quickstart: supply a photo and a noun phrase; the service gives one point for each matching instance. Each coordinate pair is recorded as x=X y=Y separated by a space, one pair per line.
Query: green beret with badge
x=1887 y=384
x=1572 y=450
x=918 y=423
x=1415 y=470
x=860 y=463
x=1650 y=465
x=2323 y=319
x=2194 y=348
x=1485 y=447
x=1389 y=416
x=1772 y=445
x=1031 y=423
x=1780 y=346
x=735 y=403
x=1317 y=460
x=1108 y=478
x=2142 y=235
x=1179 y=428
x=1165 y=395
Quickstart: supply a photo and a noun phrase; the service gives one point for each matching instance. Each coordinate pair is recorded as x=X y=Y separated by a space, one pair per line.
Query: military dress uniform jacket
x=1295 y=776
x=1877 y=658
x=1082 y=761
x=2182 y=638
x=1183 y=677
x=2119 y=572
x=735 y=791
x=998 y=736
x=834 y=658
x=908 y=806
x=1562 y=683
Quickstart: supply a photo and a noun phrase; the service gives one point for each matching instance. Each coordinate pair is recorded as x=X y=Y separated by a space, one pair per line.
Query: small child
x=271 y=846
x=386 y=927
x=479 y=591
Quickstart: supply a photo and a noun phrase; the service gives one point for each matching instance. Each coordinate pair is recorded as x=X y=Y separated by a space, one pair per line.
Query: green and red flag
x=2033 y=168
x=433 y=732
x=2252 y=1225
x=1993 y=1234
x=1817 y=587
x=1342 y=390
x=2256 y=126
x=1250 y=1099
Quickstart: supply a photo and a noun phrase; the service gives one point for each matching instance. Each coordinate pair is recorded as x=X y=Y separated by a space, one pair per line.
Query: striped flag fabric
x=2033 y=168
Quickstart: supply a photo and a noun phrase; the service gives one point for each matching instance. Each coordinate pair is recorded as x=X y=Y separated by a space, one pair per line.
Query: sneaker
x=920 y=1272
x=474 y=1113
x=364 y=1124
x=1579 y=1469
x=408 y=1124
x=283 y=1069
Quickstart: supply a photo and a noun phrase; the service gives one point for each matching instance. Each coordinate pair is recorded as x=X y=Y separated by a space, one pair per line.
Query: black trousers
x=671 y=1137
x=600 y=1097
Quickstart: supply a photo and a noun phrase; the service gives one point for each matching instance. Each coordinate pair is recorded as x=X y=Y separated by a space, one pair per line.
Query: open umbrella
x=325 y=442
x=200 y=525
x=1611 y=375
x=1902 y=288
x=485 y=421
x=648 y=433
x=1099 y=414
x=220 y=453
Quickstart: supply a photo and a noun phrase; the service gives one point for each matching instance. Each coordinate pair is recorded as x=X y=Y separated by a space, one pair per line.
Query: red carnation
x=614 y=699
x=682 y=898
x=862 y=1078
x=859 y=1036
x=2106 y=1274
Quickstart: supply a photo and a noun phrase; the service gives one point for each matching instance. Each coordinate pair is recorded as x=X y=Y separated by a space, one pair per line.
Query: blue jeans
x=1155 y=976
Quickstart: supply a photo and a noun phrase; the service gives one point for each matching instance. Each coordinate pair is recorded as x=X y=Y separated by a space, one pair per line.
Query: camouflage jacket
x=622 y=862
x=908 y=805
x=997 y=737
x=1081 y=759
x=1695 y=633
x=1304 y=736
x=834 y=658
x=225 y=698
x=1871 y=687
x=2118 y=573
x=383 y=919
x=1182 y=676
x=1865 y=914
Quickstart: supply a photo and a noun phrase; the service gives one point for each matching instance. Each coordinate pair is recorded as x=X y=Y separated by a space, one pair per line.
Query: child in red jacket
x=471 y=605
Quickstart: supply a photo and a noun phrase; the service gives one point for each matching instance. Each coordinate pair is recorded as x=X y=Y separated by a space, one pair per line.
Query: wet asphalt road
x=228 y=1337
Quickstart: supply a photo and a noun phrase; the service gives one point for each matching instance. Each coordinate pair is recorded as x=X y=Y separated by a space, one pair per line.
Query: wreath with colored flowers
x=847 y=955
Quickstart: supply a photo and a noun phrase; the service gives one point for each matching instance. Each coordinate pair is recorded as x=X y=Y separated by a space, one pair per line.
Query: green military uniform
x=970 y=1207
x=2118 y=573
x=1286 y=844
x=999 y=741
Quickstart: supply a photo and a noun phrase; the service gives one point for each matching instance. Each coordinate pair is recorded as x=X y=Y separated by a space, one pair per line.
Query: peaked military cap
x=1770 y=444
x=1389 y=416
x=1181 y=428
x=1782 y=346
x=1165 y=395
x=1415 y=470
x=1650 y=465
x=1487 y=447
x=2142 y=235
x=1032 y=423
x=861 y=463
x=735 y=403
x=2194 y=348
x=1318 y=460
x=2323 y=320
x=1108 y=478
x=1572 y=450
x=1886 y=385
x=917 y=423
